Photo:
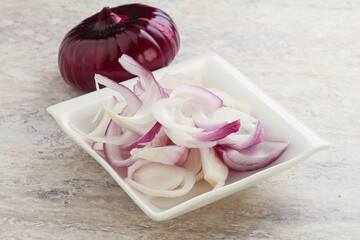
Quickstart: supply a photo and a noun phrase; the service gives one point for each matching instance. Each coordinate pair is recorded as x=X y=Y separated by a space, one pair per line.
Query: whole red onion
x=145 y=33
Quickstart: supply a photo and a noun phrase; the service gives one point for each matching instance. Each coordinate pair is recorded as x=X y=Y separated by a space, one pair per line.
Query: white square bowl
x=214 y=71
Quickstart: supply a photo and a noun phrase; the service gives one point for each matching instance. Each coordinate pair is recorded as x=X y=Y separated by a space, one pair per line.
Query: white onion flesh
x=193 y=162
x=159 y=180
x=167 y=112
x=159 y=176
x=169 y=155
x=215 y=170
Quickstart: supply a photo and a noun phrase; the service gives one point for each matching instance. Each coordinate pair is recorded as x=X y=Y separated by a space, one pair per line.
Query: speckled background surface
x=305 y=54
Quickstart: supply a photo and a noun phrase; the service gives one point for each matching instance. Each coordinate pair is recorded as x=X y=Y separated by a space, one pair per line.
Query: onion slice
x=148 y=137
x=167 y=112
x=133 y=102
x=169 y=155
x=160 y=180
x=124 y=136
x=147 y=79
x=220 y=133
x=199 y=96
x=193 y=163
x=227 y=114
x=97 y=146
x=115 y=154
x=253 y=158
x=161 y=139
x=118 y=157
x=248 y=136
x=142 y=120
x=202 y=120
x=183 y=139
x=139 y=90
x=215 y=171
x=100 y=128
x=97 y=135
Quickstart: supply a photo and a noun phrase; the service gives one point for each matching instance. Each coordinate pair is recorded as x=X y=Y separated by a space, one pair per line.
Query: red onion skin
x=145 y=33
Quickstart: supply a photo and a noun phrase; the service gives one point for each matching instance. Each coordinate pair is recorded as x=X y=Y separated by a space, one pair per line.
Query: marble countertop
x=304 y=54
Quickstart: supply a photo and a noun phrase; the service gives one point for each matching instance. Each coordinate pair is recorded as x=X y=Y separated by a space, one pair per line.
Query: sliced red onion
x=179 y=128
x=152 y=176
x=115 y=135
x=133 y=102
x=259 y=139
x=178 y=125
x=175 y=113
x=253 y=158
x=183 y=139
x=118 y=157
x=119 y=107
x=112 y=103
x=217 y=119
x=244 y=138
x=142 y=121
x=215 y=171
x=102 y=125
x=219 y=133
x=97 y=146
x=199 y=96
x=139 y=89
x=161 y=139
x=191 y=117
x=118 y=154
x=124 y=137
x=138 y=164
x=97 y=134
x=147 y=79
x=228 y=114
x=148 y=137
x=118 y=136
x=115 y=154
x=160 y=180
x=167 y=112
x=169 y=155
x=193 y=162
x=125 y=121
x=99 y=131
x=184 y=157
x=202 y=120
x=128 y=139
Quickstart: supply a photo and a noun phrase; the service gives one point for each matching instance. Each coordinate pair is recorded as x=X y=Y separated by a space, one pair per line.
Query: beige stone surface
x=305 y=54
